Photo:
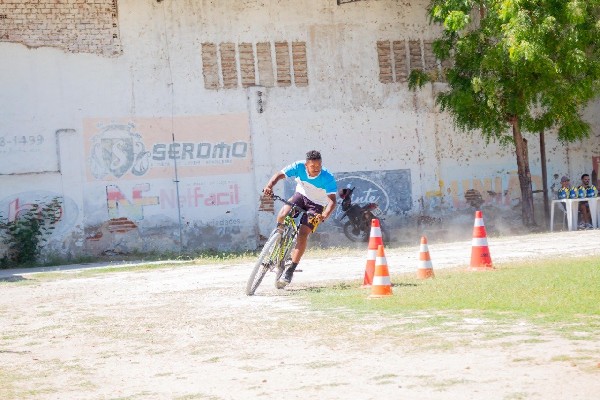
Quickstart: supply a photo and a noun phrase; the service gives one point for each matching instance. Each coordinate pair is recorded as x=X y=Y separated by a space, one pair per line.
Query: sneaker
x=286 y=278
x=581 y=226
x=589 y=226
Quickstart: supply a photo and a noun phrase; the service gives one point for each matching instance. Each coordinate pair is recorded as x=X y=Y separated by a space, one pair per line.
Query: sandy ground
x=189 y=332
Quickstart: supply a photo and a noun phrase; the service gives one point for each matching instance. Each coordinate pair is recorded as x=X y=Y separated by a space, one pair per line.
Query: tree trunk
x=524 y=174
x=544 y=176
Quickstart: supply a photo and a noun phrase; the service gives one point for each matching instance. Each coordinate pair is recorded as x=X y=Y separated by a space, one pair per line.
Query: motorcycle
x=358 y=226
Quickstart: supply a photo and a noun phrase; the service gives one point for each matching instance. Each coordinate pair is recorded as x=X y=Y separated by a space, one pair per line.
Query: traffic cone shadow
x=375 y=240
x=481 y=259
x=382 y=284
x=425 y=269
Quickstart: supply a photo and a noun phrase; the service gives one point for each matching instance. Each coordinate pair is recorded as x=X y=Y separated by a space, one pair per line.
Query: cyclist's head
x=313 y=155
x=313 y=163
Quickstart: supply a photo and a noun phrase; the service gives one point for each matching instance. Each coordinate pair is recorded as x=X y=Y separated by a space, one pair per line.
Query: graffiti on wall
x=193 y=196
x=133 y=206
x=150 y=181
x=391 y=189
x=499 y=191
x=14 y=205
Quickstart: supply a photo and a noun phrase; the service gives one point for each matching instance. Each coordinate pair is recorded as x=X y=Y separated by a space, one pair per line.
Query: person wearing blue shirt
x=316 y=191
x=565 y=189
x=587 y=190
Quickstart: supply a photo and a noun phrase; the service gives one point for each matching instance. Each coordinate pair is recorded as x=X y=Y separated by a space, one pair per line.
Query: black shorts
x=302 y=201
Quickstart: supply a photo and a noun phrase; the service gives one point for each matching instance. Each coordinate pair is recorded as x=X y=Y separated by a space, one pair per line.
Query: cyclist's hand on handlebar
x=268 y=191
x=319 y=217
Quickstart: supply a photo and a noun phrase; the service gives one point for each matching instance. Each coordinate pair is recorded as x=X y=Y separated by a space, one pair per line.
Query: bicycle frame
x=278 y=248
x=290 y=232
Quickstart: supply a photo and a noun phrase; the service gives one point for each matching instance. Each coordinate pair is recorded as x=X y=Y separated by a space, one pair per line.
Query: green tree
x=517 y=66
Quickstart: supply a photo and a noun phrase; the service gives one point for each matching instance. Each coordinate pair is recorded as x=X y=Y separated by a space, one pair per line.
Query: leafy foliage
x=28 y=232
x=530 y=60
x=525 y=65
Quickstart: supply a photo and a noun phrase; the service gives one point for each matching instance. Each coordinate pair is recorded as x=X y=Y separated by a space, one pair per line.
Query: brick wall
x=78 y=26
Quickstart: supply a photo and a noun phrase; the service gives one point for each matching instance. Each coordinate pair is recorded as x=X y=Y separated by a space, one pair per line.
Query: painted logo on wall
x=390 y=189
x=155 y=147
x=117 y=150
x=19 y=203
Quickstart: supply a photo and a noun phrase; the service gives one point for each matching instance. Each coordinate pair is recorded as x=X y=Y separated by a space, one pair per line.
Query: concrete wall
x=226 y=93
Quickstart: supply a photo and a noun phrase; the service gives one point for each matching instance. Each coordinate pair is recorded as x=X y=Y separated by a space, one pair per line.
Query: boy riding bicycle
x=315 y=192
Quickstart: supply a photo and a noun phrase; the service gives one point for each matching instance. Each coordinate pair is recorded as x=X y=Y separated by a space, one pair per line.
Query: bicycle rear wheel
x=263 y=264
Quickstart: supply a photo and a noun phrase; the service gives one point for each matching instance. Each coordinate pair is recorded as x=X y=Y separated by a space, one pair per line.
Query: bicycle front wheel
x=287 y=259
x=263 y=264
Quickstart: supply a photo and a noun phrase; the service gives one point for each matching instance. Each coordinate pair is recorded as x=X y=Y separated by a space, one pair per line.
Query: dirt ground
x=189 y=332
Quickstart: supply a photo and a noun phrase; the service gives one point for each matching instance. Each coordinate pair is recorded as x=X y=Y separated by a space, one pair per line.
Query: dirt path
x=190 y=333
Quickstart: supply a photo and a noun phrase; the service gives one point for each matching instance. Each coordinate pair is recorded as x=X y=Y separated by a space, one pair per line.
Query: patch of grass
x=7 y=388
x=523 y=359
x=547 y=291
x=197 y=396
x=534 y=341
x=168 y=258
x=322 y=364
x=564 y=357
x=517 y=396
x=11 y=390
x=202 y=258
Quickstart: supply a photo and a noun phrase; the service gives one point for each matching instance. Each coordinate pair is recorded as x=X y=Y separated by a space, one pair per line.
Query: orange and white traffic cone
x=375 y=240
x=425 y=269
x=382 y=285
x=480 y=253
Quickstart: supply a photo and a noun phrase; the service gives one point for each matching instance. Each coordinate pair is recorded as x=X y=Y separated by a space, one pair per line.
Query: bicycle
x=276 y=253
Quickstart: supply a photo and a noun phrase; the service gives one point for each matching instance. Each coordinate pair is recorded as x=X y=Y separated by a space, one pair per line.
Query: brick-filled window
x=265 y=64
x=228 y=65
x=397 y=58
x=300 y=66
x=385 y=61
x=278 y=64
x=247 y=65
x=210 y=67
x=430 y=61
x=282 y=60
x=74 y=26
x=414 y=51
x=400 y=60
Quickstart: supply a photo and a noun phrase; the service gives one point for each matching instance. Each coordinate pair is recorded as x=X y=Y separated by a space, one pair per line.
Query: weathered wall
x=103 y=114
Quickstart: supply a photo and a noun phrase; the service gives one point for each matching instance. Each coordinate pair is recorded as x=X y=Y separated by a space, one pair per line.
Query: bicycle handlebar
x=294 y=206
x=290 y=204
x=311 y=215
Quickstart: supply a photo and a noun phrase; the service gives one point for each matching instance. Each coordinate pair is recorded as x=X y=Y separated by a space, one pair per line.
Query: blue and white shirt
x=315 y=188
